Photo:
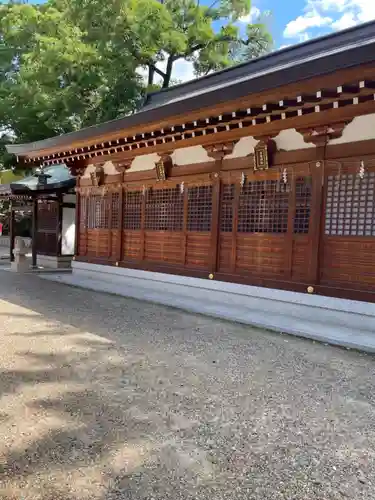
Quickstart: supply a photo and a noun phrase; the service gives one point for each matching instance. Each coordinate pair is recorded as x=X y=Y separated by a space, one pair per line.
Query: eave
x=270 y=87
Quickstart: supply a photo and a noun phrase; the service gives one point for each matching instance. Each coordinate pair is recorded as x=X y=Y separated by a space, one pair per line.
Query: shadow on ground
x=106 y=398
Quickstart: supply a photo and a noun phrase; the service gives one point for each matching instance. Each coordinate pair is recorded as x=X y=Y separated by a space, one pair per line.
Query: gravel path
x=105 y=398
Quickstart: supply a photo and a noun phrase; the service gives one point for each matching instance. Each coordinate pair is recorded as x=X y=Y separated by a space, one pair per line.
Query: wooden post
x=11 y=231
x=215 y=222
x=77 y=224
x=320 y=136
x=120 y=226
x=235 y=213
x=34 y=233
x=217 y=152
x=316 y=211
x=60 y=214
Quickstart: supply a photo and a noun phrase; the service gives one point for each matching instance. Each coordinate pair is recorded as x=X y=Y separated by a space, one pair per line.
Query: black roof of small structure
x=317 y=57
x=58 y=178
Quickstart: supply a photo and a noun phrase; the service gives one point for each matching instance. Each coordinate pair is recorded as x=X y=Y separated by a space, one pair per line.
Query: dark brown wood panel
x=262 y=255
x=132 y=244
x=292 y=226
x=198 y=246
x=164 y=246
x=348 y=261
x=300 y=260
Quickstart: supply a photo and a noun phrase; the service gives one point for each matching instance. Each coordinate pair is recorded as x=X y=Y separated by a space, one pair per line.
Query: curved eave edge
x=275 y=77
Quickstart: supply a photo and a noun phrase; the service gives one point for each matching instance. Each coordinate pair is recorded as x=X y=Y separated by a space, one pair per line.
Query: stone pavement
x=105 y=398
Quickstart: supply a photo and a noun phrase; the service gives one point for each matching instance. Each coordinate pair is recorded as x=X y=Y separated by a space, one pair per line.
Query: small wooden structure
x=49 y=195
x=261 y=175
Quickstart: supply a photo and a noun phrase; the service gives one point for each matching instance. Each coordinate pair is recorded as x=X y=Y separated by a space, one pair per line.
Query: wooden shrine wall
x=48 y=228
x=231 y=223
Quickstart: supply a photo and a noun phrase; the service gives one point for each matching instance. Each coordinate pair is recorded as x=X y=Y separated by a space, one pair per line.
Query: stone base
x=53 y=262
x=21 y=265
x=336 y=321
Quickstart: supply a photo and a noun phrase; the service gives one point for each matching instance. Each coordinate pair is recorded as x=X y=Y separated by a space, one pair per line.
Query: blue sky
x=295 y=21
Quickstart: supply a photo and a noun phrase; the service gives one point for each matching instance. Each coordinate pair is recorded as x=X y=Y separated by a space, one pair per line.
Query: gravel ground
x=105 y=398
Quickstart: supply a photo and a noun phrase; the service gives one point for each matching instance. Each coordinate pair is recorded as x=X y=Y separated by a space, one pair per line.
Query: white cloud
x=183 y=71
x=303 y=23
x=251 y=17
x=331 y=14
x=345 y=21
x=361 y=10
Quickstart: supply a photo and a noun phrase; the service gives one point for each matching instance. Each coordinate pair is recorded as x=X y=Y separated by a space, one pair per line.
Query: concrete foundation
x=53 y=262
x=336 y=321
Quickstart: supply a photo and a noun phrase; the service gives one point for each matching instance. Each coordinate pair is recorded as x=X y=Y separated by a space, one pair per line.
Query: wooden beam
x=34 y=233
x=60 y=215
x=11 y=231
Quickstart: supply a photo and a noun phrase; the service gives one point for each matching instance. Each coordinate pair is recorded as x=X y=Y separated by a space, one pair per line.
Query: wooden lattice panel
x=115 y=211
x=132 y=210
x=48 y=212
x=164 y=209
x=350 y=205
x=199 y=208
x=348 y=239
x=226 y=208
x=83 y=202
x=98 y=212
x=303 y=188
x=263 y=207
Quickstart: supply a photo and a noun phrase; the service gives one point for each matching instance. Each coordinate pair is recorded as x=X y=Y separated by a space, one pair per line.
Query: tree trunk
x=168 y=72
x=151 y=73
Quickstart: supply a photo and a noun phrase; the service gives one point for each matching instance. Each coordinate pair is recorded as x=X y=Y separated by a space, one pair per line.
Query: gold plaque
x=160 y=171
x=261 y=156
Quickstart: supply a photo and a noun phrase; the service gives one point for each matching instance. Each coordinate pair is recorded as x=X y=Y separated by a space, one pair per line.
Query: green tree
x=66 y=64
x=52 y=80
x=158 y=33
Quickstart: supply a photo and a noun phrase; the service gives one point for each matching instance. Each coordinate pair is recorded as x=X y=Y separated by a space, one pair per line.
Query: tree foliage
x=66 y=64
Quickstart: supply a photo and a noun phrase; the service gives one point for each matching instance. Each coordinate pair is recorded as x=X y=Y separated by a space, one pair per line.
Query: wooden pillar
x=120 y=226
x=217 y=152
x=320 y=136
x=77 y=222
x=60 y=213
x=34 y=234
x=11 y=231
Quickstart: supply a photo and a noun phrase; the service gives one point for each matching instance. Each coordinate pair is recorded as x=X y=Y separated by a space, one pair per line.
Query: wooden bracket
x=78 y=167
x=218 y=151
x=97 y=177
x=320 y=136
x=122 y=165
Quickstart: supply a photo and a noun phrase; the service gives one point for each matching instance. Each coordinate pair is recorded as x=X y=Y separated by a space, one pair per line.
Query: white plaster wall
x=287 y=140
x=109 y=169
x=291 y=140
x=89 y=169
x=68 y=231
x=69 y=198
x=144 y=162
x=244 y=147
x=190 y=155
x=362 y=128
